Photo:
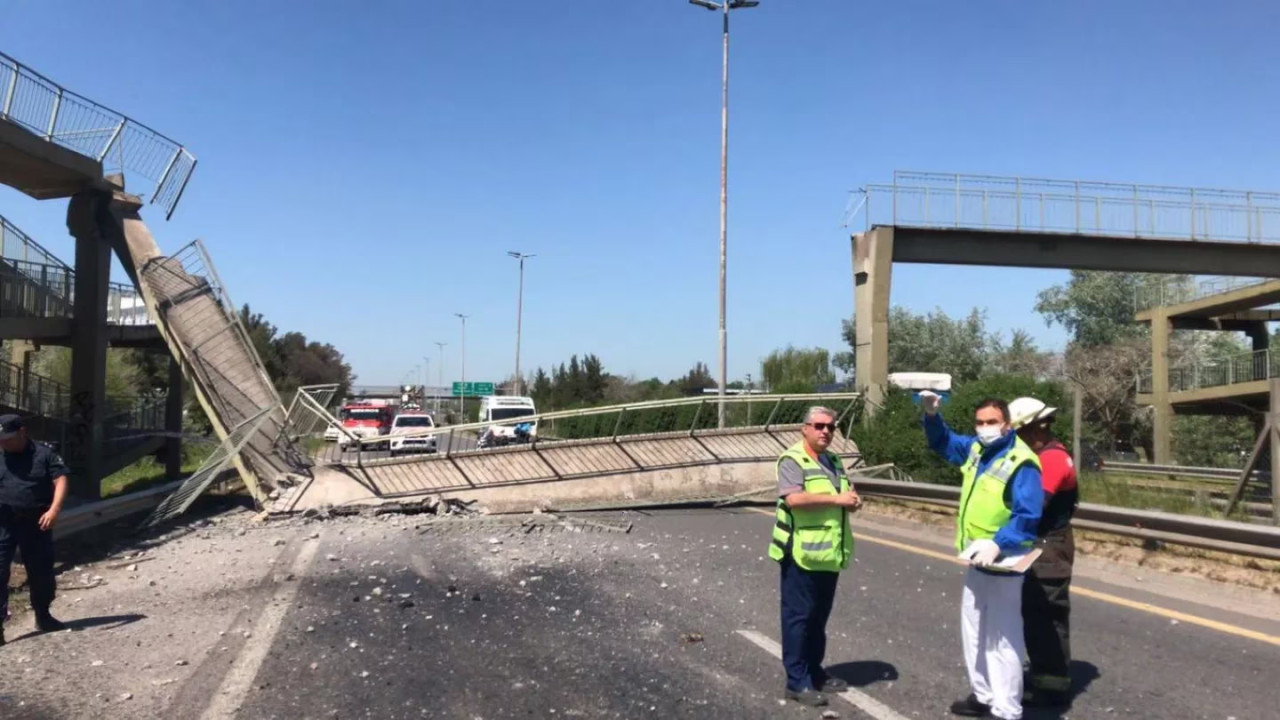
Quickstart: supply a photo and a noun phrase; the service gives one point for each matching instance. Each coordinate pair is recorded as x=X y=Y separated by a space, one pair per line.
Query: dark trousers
x=806 y=604
x=1046 y=612
x=20 y=530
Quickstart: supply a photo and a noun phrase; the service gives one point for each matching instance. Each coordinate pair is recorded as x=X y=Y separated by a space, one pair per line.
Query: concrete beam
x=1252 y=393
x=1082 y=252
x=1228 y=323
x=1162 y=426
x=46 y=331
x=43 y=169
x=873 y=254
x=59 y=332
x=1236 y=303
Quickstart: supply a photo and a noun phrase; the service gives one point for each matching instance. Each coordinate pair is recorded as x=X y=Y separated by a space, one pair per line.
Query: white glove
x=983 y=553
x=929 y=402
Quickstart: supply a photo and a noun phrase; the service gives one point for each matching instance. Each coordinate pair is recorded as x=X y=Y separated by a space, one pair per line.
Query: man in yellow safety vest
x=811 y=543
x=1000 y=505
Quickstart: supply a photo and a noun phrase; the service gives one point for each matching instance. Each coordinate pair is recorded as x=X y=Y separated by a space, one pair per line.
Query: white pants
x=991 y=625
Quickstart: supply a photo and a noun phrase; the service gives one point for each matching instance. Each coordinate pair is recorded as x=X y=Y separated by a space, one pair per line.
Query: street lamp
x=462 y=401
x=724 y=7
x=440 y=370
x=519 y=312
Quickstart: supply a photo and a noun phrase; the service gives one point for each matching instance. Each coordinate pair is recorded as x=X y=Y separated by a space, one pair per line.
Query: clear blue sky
x=365 y=166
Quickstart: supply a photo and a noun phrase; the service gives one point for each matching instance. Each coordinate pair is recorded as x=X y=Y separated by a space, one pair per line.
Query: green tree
x=124 y=381
x=540 y=390
x=1097 y=307
x=1020 y=356
x=696 y=380
x=930 y=343
x=797 y=370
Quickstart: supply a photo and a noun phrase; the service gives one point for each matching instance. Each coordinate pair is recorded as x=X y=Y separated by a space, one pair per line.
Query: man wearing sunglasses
x=812 y=544
x=1000 y=505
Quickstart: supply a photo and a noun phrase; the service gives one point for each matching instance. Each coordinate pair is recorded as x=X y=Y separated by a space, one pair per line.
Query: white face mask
x=988 y=434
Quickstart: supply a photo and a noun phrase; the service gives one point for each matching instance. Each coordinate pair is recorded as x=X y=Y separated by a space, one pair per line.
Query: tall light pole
x=440 y=370
x=426 y=375
x=724 y=7
x=462 y=402
x=519 y=313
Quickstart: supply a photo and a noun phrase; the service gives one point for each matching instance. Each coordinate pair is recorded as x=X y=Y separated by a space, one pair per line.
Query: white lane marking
x=856 y=698
x=235 y=686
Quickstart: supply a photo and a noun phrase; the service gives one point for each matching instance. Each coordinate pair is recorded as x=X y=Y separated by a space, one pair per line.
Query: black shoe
x=809 y=698
x=1 y=636
x=970 y=707
x=49 y=623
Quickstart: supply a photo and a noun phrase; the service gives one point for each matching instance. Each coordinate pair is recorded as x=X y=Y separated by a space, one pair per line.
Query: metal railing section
x=1245 y=367
x=32 y=393
x=985 y=202
x=30 y=289
x=17 y=245
x=682 y=415
x=210 y=470
x=60 y=116
x=1183 y=290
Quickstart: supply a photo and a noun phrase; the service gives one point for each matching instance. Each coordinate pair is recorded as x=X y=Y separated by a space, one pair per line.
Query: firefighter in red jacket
x=1046 y=601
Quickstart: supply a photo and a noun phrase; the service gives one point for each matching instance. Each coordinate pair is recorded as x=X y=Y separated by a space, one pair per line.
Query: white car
x=406 y=423
x=332 y=433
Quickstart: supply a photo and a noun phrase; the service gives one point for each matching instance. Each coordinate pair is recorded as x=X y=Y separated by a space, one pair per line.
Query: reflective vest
x=982 y=507
x=817 y=538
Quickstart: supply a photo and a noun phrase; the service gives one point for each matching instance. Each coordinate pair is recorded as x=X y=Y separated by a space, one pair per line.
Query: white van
x=502 y=414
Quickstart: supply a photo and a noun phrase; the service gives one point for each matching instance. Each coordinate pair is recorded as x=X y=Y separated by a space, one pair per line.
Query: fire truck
x=365 y=419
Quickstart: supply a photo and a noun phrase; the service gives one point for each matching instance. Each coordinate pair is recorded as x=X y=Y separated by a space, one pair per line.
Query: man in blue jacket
x=1000 y=505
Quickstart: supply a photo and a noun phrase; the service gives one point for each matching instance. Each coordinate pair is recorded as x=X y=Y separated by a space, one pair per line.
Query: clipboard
x=1012 y=563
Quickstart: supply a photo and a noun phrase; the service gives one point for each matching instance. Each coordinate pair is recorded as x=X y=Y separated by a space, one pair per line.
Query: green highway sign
x=472 y=389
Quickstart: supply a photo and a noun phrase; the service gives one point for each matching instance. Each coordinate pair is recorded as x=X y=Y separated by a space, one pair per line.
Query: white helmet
x=1028 y=411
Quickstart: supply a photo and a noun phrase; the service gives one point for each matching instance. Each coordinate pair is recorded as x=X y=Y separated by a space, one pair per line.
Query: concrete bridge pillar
x=1162 y=425
x=84 y=452
x=872 y=269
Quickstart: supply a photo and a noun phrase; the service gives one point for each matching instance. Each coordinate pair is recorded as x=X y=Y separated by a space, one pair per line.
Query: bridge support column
x=86 y=214
x=872 y=268
x=173 y=422
x=1162 y=425
x=1274 y=386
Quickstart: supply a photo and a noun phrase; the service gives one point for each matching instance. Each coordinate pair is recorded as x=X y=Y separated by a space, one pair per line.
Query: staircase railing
x=65 y=118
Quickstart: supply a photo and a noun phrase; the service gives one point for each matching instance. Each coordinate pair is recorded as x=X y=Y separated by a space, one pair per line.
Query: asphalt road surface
x=397 y=618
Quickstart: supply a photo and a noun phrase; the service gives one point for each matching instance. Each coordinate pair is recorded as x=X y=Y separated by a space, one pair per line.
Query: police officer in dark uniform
x=1046 y=592
x=33 y=484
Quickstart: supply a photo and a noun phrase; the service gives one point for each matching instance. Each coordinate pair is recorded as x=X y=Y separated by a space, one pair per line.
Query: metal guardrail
x=1182 y=290
x=68 y=119
x=90 y=515
x=1177 y=471
x=1218 y=535
x=1245 y=367
x=986 y=202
